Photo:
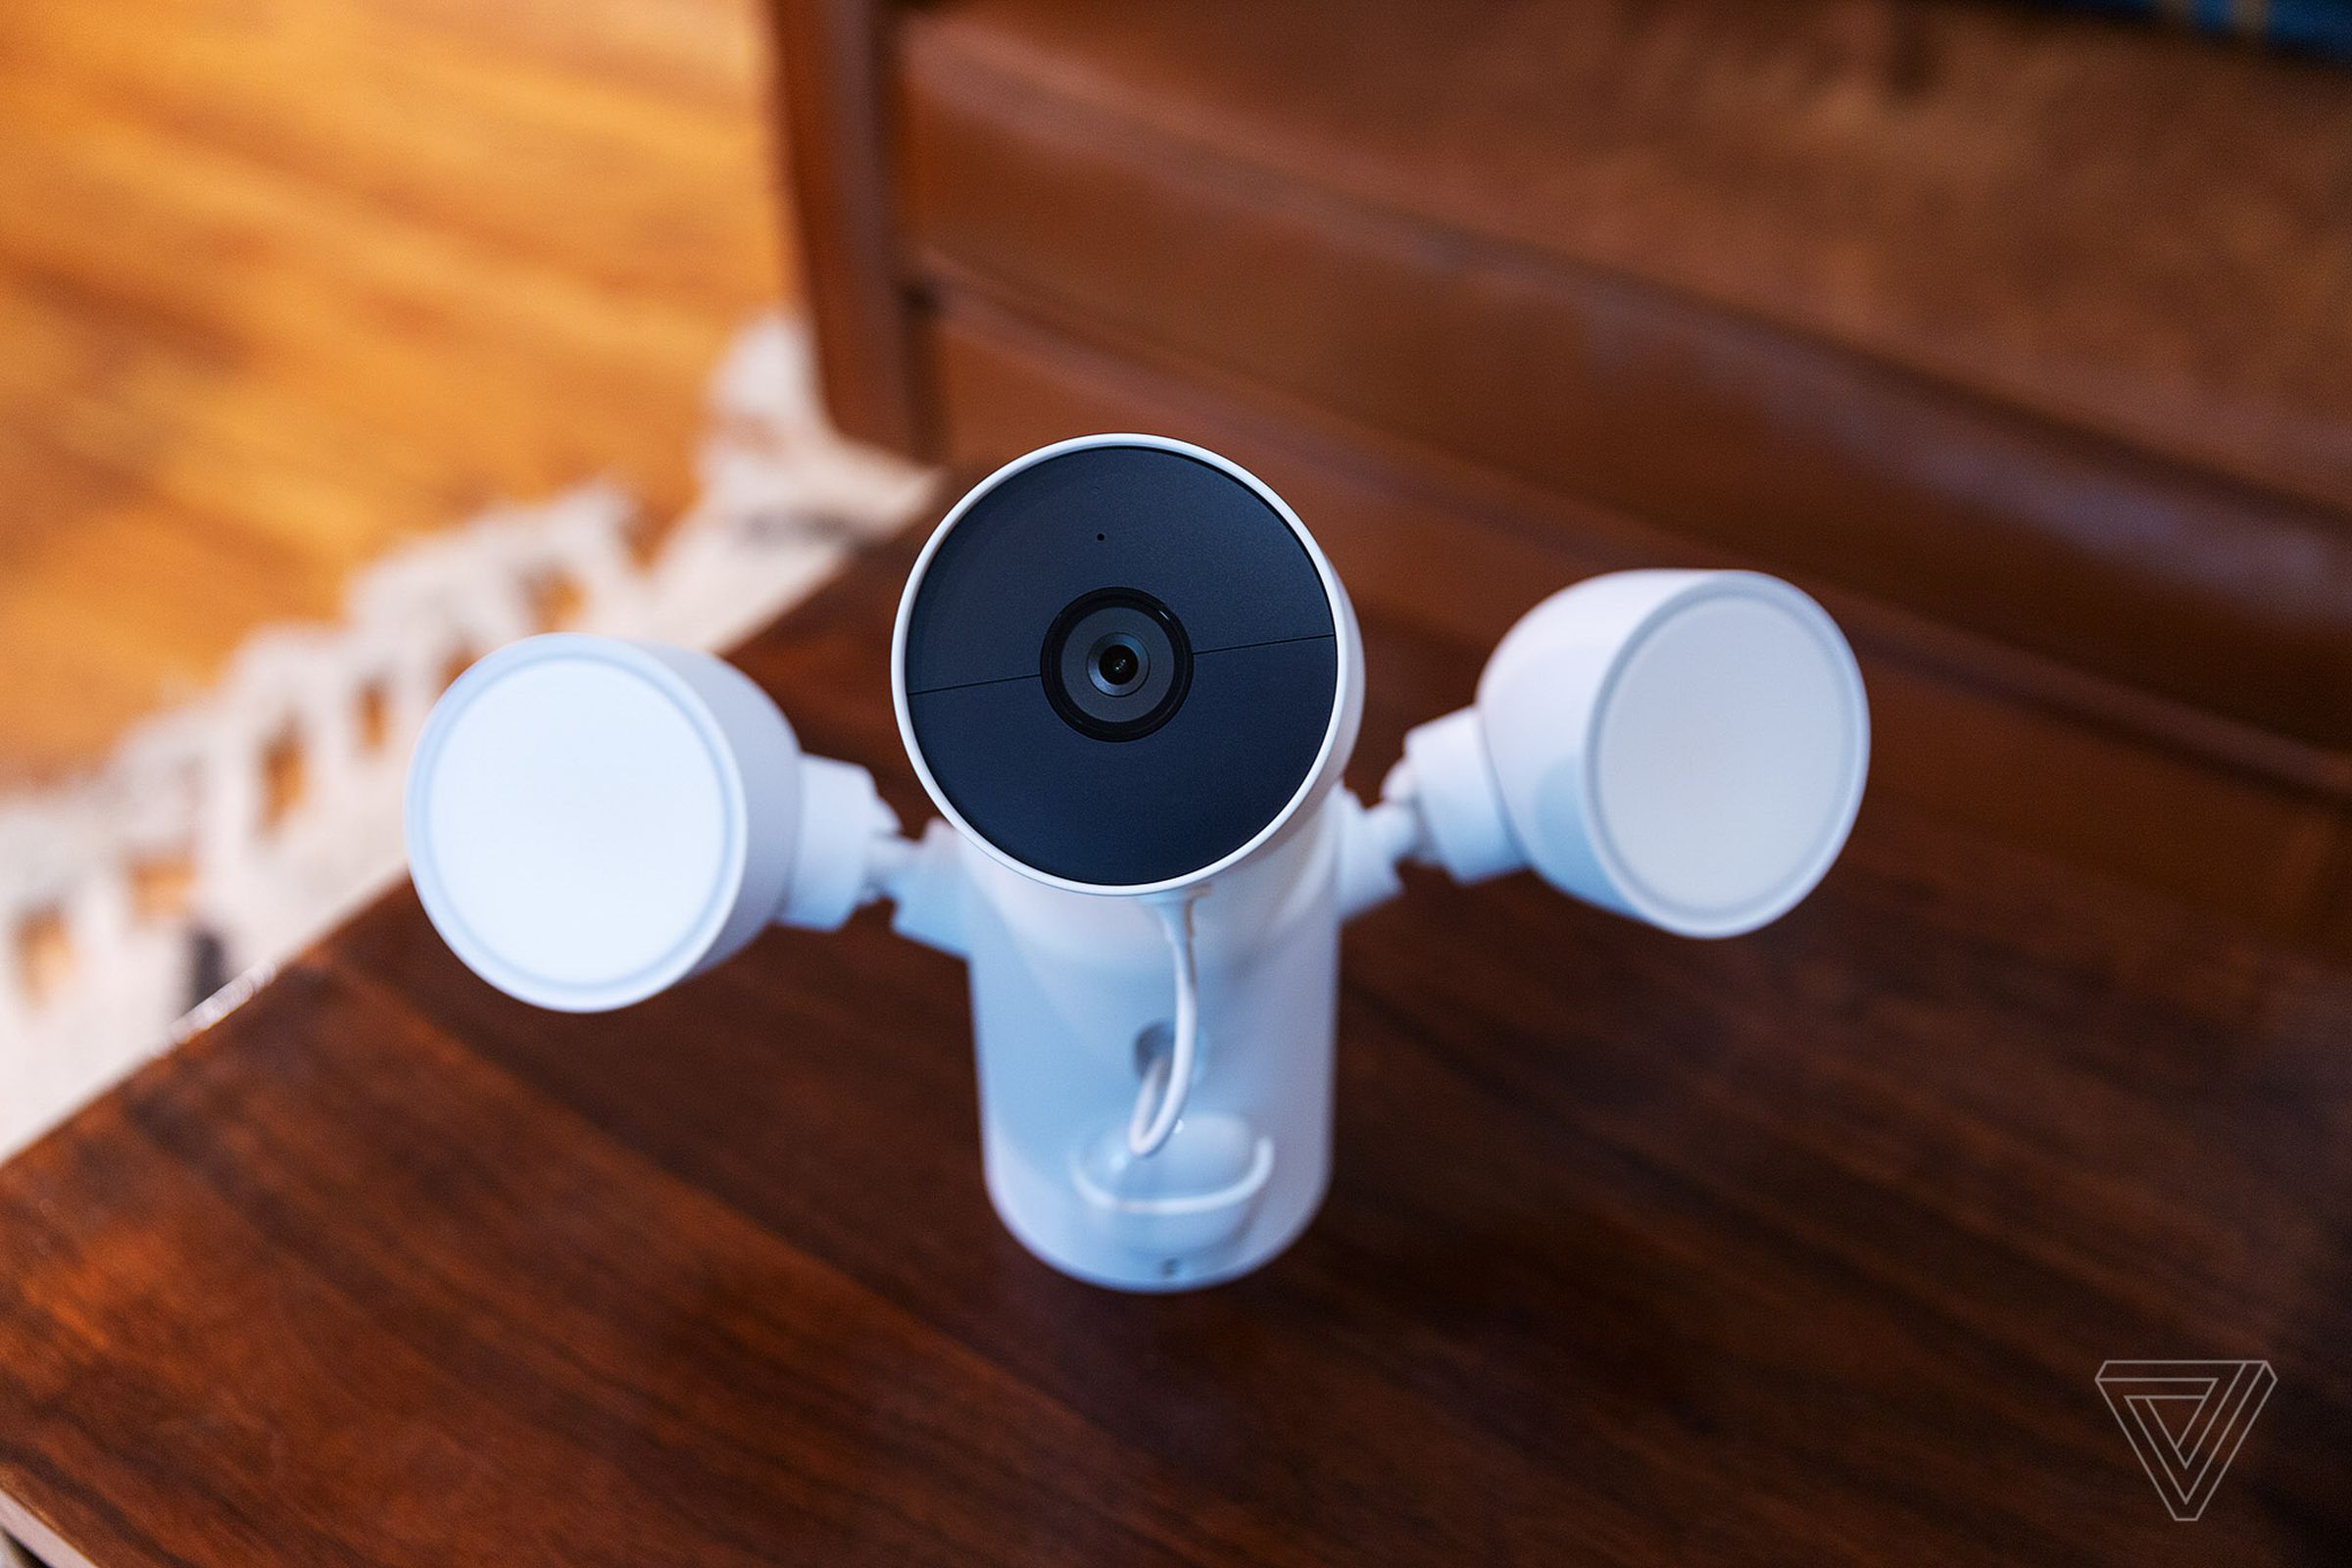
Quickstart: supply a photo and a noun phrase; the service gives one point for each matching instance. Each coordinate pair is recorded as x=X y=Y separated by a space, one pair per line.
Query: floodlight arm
x=926 y=881
x=1438 y=807
x=845 y=843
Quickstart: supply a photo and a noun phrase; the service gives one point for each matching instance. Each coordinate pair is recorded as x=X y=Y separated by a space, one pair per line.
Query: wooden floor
x=284 y=285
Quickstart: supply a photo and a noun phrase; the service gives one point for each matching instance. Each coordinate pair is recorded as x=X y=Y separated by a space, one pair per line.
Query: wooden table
x=1803 y=1247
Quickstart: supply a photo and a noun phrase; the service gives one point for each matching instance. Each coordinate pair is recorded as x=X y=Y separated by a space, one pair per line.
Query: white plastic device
x=1130 y=680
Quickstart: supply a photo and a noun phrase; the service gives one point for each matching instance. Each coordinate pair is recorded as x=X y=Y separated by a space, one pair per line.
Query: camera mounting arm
x=927 y=884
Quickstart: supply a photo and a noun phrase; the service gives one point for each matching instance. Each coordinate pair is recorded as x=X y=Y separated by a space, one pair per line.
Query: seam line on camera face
x=967 y=685
x=1271 y=641
x=1230 y=648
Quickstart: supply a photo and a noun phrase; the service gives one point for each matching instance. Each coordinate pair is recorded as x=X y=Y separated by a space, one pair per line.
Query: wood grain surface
x=1803 y=1247
x=282 y=285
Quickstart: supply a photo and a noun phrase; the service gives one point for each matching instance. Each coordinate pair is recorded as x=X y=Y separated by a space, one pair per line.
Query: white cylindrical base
x=1074 y=992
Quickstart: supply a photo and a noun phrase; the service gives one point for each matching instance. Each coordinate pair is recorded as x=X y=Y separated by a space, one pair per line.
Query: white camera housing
x=1131 y=681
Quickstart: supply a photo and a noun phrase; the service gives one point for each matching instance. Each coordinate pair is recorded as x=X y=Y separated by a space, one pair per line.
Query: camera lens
x=1117 y=665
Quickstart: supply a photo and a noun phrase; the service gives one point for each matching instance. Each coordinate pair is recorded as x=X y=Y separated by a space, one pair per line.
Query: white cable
x=1169 y=1079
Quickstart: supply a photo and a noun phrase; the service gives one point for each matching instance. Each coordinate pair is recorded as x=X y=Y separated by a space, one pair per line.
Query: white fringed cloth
x=782 y=501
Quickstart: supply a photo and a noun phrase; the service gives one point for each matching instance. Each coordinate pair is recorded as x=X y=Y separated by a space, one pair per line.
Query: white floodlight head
x=590 y=821
x=1687 y=747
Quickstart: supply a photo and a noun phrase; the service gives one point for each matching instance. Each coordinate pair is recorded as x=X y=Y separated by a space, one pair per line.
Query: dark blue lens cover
x=1264 y=676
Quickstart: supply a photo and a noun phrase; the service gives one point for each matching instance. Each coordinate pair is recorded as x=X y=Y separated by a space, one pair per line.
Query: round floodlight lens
x=577 y=821
x=1725 y=759
x=1686 y=746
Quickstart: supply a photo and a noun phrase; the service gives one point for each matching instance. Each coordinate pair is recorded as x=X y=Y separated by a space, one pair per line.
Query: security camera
x=1122 y=666
x=1130 y=680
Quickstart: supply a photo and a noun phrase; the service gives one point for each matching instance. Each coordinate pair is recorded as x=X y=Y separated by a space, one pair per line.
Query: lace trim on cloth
x=222 y=836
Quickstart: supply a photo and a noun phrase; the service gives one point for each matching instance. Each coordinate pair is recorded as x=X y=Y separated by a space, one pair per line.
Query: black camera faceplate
x=1062 y=779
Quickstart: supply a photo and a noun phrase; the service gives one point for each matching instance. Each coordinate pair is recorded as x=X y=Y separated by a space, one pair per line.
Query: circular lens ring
x=1050 y=660
x=1118 y=664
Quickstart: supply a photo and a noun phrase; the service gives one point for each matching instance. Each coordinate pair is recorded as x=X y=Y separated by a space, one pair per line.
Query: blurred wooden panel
x=2015 y=747
x=284 y=283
